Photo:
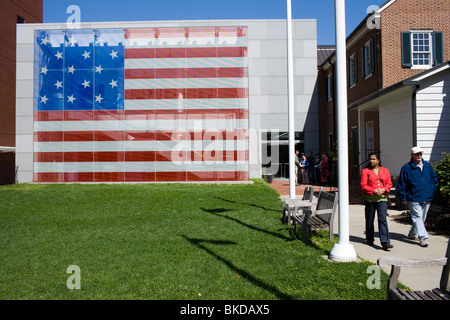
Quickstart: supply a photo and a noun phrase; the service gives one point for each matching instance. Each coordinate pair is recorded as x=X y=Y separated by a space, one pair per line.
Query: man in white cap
x=416 y=185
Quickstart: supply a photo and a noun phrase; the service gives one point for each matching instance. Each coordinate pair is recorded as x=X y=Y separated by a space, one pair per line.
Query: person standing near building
x=324 y=170
x=311 y=174
x=376 y=184
x=416 y=186
x=317 y=166
x=304 y=164
x=297 y=166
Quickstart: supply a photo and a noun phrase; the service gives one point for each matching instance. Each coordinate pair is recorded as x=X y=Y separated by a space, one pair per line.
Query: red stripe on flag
x=138 y=156
x=206 y=52
x=202 y=93
x=156 y=114
x=140 y=176
x=181 y=73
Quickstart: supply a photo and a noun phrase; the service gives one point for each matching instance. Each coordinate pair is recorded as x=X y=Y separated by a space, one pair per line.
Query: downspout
x=416 y=85
x=377 y=21
x=414 y=114
x=333 y=70
x=379 y=70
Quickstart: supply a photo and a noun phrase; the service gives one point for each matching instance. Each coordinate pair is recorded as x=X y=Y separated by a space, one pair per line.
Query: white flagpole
x=343 y=250
x=291 y=112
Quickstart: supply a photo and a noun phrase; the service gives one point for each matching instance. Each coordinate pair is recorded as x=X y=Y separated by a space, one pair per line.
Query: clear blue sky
x=151 y=10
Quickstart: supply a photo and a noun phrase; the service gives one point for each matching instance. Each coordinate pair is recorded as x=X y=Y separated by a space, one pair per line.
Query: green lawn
x=164 y=241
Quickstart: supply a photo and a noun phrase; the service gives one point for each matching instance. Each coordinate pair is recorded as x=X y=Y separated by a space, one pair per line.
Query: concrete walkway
x=414 y=278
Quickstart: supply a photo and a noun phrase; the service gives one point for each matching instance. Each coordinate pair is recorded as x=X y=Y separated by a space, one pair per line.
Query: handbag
x=379 y=178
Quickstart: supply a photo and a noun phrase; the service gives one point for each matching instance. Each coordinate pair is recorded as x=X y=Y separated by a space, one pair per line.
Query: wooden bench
x=290 y=206
x=394 y=293
x=319 y=219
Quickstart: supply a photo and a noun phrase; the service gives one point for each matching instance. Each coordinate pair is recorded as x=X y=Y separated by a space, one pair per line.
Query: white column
x=291 y=113
x=343 y=250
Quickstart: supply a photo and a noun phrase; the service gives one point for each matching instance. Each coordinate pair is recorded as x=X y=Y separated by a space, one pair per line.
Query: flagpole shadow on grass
x=244 y=274
x=247 y=204
x=217 y=212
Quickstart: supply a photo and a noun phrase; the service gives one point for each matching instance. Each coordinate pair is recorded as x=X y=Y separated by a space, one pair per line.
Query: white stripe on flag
x=193 y=166
x=102 y=146
x=144 y=125
x=164 y=63
x=162 y=104
x=189 y=83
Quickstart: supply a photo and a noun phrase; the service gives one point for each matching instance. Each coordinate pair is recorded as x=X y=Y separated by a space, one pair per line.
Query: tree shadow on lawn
x=199 y=244
x=218 y=211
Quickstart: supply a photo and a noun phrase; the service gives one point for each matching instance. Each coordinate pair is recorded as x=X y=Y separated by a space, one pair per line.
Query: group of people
x=415 y=187
x=311 y=170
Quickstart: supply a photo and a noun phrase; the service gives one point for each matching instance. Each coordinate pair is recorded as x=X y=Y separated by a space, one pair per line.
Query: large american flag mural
x=141 y=104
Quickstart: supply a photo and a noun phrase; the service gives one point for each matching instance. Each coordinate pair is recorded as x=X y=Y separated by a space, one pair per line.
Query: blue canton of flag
x=80 y=69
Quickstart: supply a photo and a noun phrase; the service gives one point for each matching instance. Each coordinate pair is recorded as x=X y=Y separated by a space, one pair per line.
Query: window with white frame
x=330 y=140
x=352 y=70
x=330 y=86
x=421 y=48
x=367 y=59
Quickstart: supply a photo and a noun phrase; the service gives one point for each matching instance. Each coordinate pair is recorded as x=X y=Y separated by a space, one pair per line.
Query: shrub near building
x=442 y=169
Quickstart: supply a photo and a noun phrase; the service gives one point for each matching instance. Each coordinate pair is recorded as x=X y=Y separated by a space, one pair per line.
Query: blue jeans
x=419 y=212
x=381 y=208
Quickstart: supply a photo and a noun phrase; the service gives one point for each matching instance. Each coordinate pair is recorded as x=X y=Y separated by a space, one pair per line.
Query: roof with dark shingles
x=323 y=53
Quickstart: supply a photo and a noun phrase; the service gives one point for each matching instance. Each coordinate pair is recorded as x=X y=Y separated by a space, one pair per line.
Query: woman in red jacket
x=375 y=184
x=324 y=169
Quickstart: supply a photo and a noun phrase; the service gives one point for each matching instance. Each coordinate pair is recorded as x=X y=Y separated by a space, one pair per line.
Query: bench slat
x=442 y=294
x=400 y=294
x=431 y=295
x=319 y=219
x=435 y=294
x=409 y=295
x=424 y=295
x=313 y=222
x=316 y=223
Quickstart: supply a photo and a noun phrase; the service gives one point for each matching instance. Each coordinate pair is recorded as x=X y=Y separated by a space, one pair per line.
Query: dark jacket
x=416 y=185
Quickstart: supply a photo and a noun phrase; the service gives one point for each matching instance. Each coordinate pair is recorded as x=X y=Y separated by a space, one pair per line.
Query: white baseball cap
x=416 y=150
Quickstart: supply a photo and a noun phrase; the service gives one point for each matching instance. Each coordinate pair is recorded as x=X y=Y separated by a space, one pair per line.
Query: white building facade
x=413 y=112
x=161 y=101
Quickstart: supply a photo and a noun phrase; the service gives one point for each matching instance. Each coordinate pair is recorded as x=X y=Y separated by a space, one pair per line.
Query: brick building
x=400 y=40
x=11 y=13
